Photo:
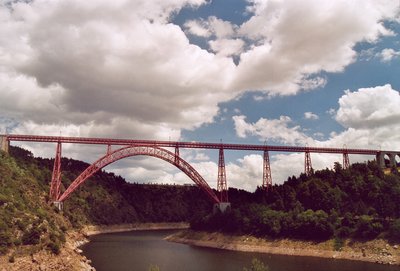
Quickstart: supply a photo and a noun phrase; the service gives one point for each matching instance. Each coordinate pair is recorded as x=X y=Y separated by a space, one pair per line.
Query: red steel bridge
x=121 y=148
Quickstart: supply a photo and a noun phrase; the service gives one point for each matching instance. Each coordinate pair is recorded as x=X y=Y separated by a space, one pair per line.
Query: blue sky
x=283 y=72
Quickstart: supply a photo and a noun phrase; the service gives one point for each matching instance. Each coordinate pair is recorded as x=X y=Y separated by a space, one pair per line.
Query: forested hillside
x=27 y=217
x=361 y=202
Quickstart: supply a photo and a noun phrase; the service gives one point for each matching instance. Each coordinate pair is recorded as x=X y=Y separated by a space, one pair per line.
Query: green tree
x=394 y=230
x=312 y=225
x=367 y=227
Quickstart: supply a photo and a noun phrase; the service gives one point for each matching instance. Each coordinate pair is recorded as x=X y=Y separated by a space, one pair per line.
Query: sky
x=275 y=72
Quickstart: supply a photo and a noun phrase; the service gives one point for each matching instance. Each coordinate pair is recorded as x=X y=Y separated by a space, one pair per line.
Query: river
x=138 y=250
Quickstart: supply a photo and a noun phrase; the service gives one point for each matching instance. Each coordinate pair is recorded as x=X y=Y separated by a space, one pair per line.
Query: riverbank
x=376 y=251
x=70 y=257
x=99 y=229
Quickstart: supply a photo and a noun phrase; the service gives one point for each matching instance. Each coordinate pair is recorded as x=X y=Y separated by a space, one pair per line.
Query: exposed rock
x=371 y=251
x=68 y=259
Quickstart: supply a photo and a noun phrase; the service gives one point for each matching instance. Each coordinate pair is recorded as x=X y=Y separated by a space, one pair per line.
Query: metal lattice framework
x=267 y=176
x=346 y=160
x=56 y=177
x=222 y=187
x=154 y=151
x=308 y=170
x=191 y=145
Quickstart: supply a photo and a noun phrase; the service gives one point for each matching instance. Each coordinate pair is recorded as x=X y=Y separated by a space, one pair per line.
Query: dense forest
x=361 y=202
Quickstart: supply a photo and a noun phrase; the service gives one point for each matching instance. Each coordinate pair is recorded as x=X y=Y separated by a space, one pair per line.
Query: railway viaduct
x=121 y=148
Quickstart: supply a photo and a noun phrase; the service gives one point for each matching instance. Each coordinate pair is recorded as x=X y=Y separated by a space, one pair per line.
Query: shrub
x=5 y=241
x=5 y=238
x=54 y=247
x=31 y=237
x=338 y=244
x=11 y=259
x=367 y=228
x=344 y=232
x=394 y=230
x=312 y=225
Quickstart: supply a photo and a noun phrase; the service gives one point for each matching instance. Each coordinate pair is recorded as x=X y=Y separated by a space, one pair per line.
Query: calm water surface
x=138 y=250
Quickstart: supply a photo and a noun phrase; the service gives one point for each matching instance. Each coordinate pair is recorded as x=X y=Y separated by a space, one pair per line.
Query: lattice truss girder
x=141 y=150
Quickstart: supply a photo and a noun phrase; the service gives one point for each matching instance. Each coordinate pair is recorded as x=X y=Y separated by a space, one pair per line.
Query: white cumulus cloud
x=298 y=38
x=388 y=54
x=310 y=116
x=369 y=108
x=279 y=130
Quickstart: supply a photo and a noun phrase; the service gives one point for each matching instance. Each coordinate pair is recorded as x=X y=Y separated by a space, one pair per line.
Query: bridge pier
x=267 y=177
x=59 y=205
x=221 y=207
x=308 y=170
x=392 y=160
x=346 y=161
x=222 y=186
x=4 y=143
x=56 y=176
x=380 y=159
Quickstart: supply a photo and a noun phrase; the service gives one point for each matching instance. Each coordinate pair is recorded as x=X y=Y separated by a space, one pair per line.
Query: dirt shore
x=70 y=257
x=94 y=229
x=377 y=251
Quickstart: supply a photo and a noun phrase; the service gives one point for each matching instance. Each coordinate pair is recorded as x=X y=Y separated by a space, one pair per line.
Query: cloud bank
x=123 y=63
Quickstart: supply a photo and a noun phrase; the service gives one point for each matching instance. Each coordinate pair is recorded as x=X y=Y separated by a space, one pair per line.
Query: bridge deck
x=197 y=145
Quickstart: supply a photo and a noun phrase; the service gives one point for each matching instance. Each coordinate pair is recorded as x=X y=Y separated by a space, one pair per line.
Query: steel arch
x=153 y=151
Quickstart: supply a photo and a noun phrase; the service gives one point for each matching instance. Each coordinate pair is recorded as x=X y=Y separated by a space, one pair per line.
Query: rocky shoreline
x=376 y=251
x=70 y=257
x=99 y=229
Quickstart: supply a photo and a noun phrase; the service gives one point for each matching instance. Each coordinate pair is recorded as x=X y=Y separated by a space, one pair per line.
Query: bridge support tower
x=56 y=177
x=221 y=182
x=267 y=177
x=4 y=143
x=308 y=170
x=380 y=159
x=222 y=207
x=58 y=204
x=222 y=186
x=346 y=161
